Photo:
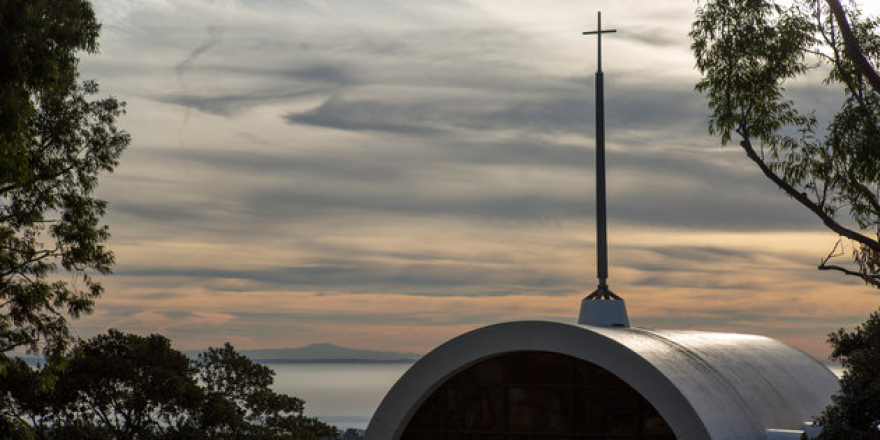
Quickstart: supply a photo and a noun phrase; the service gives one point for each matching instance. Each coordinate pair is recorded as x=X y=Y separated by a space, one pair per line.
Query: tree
x=26 y=400
x=351 y=434
x=112 y=386
x=748 y=51
x=126 y=386
x=855 y=411
x=54 y=142
x=239 y=402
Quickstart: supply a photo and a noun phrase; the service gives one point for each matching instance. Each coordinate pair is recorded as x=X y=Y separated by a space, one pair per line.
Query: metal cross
x=598 y=34
x=603 y=292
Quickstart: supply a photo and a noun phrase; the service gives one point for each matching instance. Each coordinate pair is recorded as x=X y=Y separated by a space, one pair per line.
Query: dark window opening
x=536 y=395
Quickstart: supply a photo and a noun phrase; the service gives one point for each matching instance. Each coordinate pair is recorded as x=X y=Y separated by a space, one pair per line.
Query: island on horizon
x=320 y=353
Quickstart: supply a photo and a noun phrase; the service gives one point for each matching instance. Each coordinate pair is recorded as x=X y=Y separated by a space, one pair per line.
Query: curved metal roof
x=705 y=385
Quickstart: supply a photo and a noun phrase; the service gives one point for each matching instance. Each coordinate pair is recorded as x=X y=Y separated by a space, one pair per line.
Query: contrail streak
x=215 y=37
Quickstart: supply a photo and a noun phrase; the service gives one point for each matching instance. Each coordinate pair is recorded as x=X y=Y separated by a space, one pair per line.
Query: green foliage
x=745 y=50
x=351 y=434
x=748 y=51
x=239 y=402
x=25 y=396
x=54 y=142
x=125 y=386
x=855 y=412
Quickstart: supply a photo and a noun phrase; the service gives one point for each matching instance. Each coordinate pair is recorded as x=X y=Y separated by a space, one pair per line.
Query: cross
x=603 y=292
x=599 y=33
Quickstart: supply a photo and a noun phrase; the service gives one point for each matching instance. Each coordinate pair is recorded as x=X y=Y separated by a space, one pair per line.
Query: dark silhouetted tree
x=126 y=386
x=239 y=402
x=351 y=434
x=54 y=142
x=748 y=52
x=27 y=400
x=855 y=411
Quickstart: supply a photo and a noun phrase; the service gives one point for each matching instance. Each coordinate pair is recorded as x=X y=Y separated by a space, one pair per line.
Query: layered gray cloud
x=640 y=108
x=423 y=149
x=649 y=186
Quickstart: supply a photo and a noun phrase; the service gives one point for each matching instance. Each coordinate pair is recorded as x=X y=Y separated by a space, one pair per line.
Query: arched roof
x=705 y=385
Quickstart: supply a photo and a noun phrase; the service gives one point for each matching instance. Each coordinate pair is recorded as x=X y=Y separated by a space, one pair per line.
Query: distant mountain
x=323 y=353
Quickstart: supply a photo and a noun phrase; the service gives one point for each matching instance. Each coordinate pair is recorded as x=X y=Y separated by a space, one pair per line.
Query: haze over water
x=345 y=395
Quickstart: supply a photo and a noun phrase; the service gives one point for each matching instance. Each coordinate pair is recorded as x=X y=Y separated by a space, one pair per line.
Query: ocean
x=344 y=395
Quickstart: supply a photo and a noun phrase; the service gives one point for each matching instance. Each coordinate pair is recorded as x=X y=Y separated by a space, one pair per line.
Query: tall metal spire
x=601 y=229
x=593 y=310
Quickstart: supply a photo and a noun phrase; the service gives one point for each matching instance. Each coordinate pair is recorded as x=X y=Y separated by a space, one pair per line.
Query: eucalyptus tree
x=749 y=52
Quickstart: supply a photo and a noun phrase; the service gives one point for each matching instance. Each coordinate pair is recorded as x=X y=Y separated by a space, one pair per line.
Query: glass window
x=536 y=395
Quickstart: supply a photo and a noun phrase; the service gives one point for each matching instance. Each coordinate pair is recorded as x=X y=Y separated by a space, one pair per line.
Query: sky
x=389 y=174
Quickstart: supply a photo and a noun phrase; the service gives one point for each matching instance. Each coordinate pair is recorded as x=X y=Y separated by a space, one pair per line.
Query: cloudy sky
x=388 y=174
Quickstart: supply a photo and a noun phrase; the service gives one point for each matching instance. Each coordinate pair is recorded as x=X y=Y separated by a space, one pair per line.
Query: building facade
x=553 y=381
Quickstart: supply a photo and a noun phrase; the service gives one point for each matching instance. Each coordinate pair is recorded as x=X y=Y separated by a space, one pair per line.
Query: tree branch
x=870 y=195
x=853 y=48
x=845 y=75
x=801 y=197
x=873 y=280
x=38 y=257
